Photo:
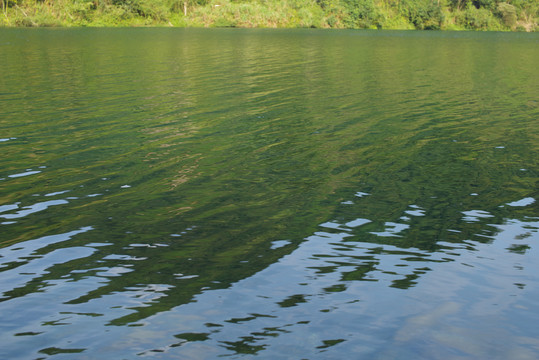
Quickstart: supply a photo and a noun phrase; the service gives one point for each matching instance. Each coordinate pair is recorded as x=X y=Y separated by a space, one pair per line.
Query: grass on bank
x=509 y=15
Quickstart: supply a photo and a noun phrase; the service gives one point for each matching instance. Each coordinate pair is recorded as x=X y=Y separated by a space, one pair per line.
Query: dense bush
x=145 y=8
x=473 y=18
x=508 y=13
x=423 y=14
x=360 y=13
x=486 y=4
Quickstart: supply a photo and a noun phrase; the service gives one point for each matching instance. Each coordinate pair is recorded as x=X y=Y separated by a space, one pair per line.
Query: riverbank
x=520 y=15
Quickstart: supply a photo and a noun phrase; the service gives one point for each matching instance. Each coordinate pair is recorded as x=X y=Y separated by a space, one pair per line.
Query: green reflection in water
x=188 y=152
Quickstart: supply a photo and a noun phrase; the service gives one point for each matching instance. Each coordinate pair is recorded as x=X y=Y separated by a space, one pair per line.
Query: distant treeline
x=519 y=15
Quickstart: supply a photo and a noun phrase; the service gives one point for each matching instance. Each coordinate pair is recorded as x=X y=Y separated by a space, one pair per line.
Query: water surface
x=305 y=194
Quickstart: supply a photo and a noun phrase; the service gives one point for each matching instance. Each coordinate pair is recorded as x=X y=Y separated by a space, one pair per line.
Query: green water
x=294 y=194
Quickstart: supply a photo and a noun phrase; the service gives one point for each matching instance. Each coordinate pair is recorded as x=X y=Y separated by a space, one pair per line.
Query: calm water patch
x=289 y=194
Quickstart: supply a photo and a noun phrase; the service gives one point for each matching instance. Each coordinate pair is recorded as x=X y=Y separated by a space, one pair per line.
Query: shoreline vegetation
x=494 y=15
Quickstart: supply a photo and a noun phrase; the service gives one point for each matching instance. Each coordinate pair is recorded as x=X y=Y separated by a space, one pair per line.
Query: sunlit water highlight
x=192 y=194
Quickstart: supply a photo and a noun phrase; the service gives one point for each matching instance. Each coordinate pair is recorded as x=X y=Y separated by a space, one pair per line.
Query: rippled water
x=305 y=194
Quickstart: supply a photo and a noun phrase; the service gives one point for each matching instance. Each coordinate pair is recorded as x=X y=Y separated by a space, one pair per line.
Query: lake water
x=291 y=194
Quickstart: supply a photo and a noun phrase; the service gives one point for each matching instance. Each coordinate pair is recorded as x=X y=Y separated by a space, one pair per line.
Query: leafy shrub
x=145 y=8
x=423 y=14
x=477 y=19
x=361 y=13
x=528 y=14
x=485 y=4
x=81 y=10
x=508 y=14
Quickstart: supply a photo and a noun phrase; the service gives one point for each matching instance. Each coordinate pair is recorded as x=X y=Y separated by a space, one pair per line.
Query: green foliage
x=423 y=14
x=485 y=4
x=255 y=14
x=508 y=14
x=528 y=15
x=144 y=8
x=360 y=13
x=473 y=18
x=386 y=14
